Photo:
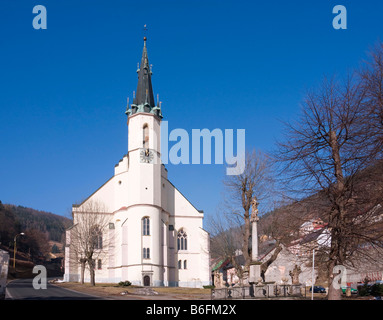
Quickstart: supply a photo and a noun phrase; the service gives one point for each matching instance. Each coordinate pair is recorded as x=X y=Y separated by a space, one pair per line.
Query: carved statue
x=294 y=274
x=217 y=279
x=254 y=210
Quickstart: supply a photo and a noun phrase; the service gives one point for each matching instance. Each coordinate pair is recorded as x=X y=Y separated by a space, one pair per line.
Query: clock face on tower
x=146 y=156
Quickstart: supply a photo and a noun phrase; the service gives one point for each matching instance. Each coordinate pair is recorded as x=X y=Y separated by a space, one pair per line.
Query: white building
x=154 y=235
x=4 y=260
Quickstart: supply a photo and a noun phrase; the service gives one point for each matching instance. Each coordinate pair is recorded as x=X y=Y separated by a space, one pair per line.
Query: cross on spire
x=145 y=32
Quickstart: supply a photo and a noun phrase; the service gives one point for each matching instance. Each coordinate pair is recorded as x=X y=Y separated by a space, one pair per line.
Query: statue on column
x=255 y=268
x=254 y=229
x=254 y=210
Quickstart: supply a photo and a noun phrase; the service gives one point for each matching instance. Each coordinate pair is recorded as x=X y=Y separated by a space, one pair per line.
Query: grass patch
x=110 y=289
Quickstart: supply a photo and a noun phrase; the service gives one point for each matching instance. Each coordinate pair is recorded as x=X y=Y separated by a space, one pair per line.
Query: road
x=22 y=289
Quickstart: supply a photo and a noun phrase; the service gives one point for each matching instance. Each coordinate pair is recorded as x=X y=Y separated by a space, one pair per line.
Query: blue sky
x=216 y=64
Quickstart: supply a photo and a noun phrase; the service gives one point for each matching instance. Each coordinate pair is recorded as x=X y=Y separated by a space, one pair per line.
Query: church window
x=146 y=226
x=179 y=264
x=182 y=240
x=145 y=138
x=97 y=238
x=185 y=264
x=146 y=253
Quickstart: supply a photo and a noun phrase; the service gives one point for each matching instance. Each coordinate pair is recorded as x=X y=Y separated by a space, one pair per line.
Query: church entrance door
x=146 y=281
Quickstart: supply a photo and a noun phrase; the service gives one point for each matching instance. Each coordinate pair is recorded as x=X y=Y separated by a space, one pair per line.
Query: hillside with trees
x=40 y=229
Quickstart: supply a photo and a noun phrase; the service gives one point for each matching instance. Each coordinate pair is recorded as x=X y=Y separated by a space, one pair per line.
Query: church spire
x=144 y=98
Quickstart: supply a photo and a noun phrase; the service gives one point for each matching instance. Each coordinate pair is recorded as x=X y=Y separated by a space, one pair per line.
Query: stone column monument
x=255 y=265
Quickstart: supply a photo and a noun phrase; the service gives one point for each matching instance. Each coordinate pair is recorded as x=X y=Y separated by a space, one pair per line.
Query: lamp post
x=313 y=276
x=14 y=249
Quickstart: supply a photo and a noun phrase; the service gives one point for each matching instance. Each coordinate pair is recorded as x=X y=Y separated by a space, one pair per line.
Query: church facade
x=152 y=234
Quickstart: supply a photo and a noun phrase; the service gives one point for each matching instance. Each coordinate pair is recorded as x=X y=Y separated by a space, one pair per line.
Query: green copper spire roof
x=144 y=99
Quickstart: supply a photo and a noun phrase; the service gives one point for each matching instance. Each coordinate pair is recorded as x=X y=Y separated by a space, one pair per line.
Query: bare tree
x=88 y=238
x=226 y=240
x=324 y=152
x=254 y=181
x=371 y=76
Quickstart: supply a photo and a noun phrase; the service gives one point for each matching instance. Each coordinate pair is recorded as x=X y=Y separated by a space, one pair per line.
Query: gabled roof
x=312 y=236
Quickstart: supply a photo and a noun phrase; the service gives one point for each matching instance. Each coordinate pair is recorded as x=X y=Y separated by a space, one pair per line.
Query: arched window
x=96 y=237
x=182 y=243
x=185 y=264
x=146 y=226
x=179 y=264
x=145 y=136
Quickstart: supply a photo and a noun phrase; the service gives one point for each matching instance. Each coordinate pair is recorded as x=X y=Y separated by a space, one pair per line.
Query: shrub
x=377 y=290
x=363 y=290
x=124 y=283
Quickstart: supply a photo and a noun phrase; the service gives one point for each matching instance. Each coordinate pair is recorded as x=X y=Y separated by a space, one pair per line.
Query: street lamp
x=14 y=249
x=313 y=276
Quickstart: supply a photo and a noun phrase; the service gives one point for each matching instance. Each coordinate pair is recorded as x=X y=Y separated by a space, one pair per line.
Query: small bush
x=209 y=287
x=377 y=290
x=374 y=290
x=124 y=283
x=364 y=290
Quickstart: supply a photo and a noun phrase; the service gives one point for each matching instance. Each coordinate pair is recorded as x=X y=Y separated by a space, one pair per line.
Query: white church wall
x=101 y=199
x=164 y=172
x=174 y=202
x=136 y=124
x=121 y=190
x=144 y=182
x=128 y=263
x=204 y=258
x=188 y=218
x=71 y=268
x=122 y=166
x=133 y=242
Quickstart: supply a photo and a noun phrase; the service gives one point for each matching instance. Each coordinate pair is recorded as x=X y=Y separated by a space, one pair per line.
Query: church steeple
x=144 y=98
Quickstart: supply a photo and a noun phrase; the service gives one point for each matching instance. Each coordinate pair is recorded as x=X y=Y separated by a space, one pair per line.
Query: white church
x=154 y=235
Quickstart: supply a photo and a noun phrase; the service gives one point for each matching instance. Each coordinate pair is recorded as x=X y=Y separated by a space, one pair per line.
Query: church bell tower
x=144 y=136
x=144 y=176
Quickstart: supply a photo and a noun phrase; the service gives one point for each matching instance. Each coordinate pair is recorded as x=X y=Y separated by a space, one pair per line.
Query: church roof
x=144 y=98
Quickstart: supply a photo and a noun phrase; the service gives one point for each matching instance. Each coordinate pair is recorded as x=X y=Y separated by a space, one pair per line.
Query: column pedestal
x=255 y=273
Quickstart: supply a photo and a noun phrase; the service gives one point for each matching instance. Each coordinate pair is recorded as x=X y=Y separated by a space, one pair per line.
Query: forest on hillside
x=39 y=227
